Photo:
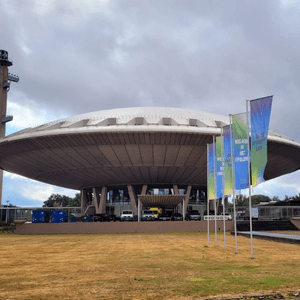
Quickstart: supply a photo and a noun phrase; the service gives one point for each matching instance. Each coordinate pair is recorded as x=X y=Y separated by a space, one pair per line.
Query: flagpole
x=223 y=197
x=207 y=210
x=215 y=188
x=249 y=169
x=233 y=182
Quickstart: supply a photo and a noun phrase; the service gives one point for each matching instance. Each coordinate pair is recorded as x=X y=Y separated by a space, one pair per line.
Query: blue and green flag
x=211 y=172
x=240 y=149
x=219 y=164
x=227 y=161
x=260 y=111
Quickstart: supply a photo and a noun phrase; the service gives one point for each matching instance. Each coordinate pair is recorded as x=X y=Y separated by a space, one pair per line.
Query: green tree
x=242 y=200
x=255 y=199
x=296 y=197
x=76 y=201
x=62 y=200
x=275 y=198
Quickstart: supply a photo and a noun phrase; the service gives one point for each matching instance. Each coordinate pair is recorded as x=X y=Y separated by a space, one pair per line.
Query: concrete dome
x=128 y=146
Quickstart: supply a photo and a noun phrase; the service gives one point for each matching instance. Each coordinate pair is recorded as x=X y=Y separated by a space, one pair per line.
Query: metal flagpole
x=223 y=197
x=233 y=182
x=249 y=176
x=207 y=210
x=215 y=189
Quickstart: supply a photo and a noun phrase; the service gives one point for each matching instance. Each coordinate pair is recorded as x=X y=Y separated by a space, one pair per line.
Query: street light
x=7 y=201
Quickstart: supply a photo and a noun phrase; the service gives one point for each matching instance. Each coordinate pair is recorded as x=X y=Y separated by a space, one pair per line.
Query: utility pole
x=5 y=79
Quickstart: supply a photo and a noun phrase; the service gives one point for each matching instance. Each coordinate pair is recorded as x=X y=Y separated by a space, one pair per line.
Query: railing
x=270 y=212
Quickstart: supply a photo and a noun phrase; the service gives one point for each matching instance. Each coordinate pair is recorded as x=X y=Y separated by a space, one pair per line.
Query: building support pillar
x=103 y=200
x=144 y=189
x=176 y=192
x=133 y=199
x=96 y=192
x=84 y=200
x=175 y=188
x=186 y=201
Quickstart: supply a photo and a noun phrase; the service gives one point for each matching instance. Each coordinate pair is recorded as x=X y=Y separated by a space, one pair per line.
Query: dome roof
x=129 y=146
x=127 y=118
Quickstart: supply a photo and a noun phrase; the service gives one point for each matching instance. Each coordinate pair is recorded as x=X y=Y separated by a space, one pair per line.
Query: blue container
x=59 y=216
x=38 y=216
x=73 y=219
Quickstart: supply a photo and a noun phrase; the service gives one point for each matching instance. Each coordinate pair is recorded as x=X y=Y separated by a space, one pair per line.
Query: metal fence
x=8 y=214
x=269 y=212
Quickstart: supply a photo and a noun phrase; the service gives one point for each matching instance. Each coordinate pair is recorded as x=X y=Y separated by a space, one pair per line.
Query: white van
x=127 y=215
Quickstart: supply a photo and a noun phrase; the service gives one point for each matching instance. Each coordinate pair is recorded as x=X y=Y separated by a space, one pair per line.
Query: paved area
x=289 y=237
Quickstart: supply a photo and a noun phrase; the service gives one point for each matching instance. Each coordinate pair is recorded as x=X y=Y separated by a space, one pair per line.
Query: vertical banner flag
x=210 y=169
x=227 y=161
x=260 y=110
x=240 y=150
x=219 y=165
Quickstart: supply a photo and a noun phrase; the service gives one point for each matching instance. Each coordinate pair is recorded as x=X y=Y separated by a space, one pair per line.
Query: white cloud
x=31 y=189
x=281 y=186
x=28 y=115
x=41 y=191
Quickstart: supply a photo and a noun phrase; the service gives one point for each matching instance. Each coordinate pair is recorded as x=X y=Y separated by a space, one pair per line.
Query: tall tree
x=62 y=200
x=76 y=201
x=242 y=200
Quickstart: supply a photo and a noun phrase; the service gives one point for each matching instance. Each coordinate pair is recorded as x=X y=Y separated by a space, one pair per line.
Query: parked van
x=148 y=215
x=156 y=211
x=127 y=215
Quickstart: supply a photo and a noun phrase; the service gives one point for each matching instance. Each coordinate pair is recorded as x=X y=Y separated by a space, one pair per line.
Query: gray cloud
x=74 y=57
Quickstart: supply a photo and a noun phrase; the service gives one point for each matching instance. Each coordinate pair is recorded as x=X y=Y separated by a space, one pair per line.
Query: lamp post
x=7 y=201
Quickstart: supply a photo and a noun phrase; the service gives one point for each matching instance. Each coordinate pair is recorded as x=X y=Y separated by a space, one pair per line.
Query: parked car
x=148 y=215
x=127 y=215
x=176 y=217
x=114 y=218
x=164 y=217
x=193 y=215
x=101 y=218
x=227 y=216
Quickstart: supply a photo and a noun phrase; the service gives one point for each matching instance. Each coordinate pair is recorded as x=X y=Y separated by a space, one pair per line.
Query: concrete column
x=103 y=199
x=186 y=199
x=84 y=200
x=176 y=192
x=144 y=189
x=96 y=192
x=133 y=199
x=175 y=188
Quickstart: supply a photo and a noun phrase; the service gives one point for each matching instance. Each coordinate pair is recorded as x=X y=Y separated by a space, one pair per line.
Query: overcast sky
x=75 y=57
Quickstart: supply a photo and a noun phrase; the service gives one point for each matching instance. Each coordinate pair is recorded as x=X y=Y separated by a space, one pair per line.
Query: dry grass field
x=142 y=266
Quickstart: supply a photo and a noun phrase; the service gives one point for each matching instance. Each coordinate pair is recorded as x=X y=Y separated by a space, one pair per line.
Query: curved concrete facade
x=129 y=147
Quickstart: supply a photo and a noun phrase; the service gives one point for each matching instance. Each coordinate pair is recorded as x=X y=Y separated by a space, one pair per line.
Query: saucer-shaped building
x=155 y=156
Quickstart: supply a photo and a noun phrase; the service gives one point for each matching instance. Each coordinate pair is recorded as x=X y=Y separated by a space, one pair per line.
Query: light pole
x=7 y=201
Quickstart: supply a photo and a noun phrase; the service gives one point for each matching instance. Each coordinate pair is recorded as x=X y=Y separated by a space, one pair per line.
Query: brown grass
x=142 y=266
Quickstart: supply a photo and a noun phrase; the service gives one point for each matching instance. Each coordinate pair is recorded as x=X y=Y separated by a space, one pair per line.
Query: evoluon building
x=147 y=156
